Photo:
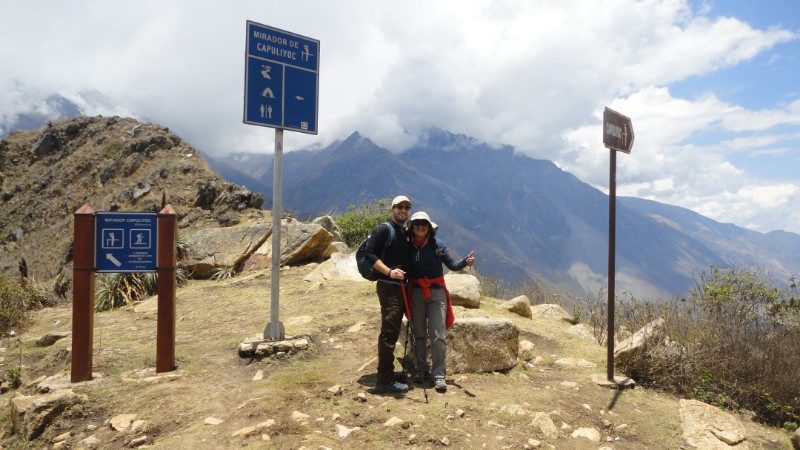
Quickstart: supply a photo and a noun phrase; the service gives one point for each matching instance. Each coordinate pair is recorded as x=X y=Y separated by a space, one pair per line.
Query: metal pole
x=274 y=329
x=612 y=238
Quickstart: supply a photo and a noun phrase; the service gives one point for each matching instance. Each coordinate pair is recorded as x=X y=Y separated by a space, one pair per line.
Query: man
x=391 y=270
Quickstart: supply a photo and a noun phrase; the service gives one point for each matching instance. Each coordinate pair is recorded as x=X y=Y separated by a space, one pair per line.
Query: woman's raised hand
x=471 y=258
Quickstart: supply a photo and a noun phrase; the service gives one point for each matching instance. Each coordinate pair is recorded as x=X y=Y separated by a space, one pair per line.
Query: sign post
x=617 y=136
x=281 y=91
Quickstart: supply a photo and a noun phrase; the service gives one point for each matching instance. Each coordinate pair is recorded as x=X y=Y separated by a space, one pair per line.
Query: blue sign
x=281 y=82
x=125 y=242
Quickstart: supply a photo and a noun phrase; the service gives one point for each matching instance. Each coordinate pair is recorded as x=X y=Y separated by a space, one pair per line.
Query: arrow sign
x=113 y=260
x=617 y=131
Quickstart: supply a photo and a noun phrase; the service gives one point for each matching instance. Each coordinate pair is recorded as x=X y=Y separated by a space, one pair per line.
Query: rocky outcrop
x=708 y=427
x=335 y=247
x=796 y=440
x=328 y=223
x=300 y=243
x=520 y=305
x=340 y=266
x=482 y=345
x=464 y=289
x=213 y=248
x=32 y=414
x=550 y=310
x=640 y=342
x=51 y=338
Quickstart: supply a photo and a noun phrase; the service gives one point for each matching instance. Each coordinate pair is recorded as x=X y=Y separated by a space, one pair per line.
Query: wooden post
x=82 y=294
x=167 y=262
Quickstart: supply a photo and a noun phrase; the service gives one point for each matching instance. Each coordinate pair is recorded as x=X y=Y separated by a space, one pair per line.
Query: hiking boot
x=391 y=388
x=399 y=377
x=440 y=385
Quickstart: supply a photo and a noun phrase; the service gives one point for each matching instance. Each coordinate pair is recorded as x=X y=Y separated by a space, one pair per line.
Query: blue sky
x=711 y=86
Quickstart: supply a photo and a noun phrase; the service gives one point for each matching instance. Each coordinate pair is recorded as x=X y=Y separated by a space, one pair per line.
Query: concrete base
x=620 y=382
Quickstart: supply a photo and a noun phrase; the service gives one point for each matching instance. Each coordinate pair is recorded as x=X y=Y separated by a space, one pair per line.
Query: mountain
x=53 y=107
x=524 y=217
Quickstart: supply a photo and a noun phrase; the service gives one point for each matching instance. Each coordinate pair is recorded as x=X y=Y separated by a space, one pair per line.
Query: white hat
x=421 y=215
x=400 y=199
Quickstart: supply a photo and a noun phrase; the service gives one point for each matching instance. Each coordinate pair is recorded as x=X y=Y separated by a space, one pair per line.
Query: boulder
x=464 y=289
x=520 y=305
x=32 y=414
x=796 y=440
x=334 y=247
x=708 y=427
x=550 y=310
x=582 y=331
x=339 y=266
x=482 y=345
x=51 y=338
x=212 y=248
x=587 y=433
x=300 y=243
x=639 y=342
x=329 y=224
x=544 y=424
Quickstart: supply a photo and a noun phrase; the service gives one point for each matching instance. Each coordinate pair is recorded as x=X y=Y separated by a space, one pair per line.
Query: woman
x=431 y=311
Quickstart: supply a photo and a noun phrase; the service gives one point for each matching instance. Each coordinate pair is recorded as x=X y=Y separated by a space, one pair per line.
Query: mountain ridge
x=526 y=217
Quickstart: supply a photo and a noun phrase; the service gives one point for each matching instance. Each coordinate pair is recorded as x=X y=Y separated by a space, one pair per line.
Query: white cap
x=400 y=199
x=421 y=215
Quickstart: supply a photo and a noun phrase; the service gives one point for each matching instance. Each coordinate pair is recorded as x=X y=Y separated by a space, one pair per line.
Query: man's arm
x=374 y=249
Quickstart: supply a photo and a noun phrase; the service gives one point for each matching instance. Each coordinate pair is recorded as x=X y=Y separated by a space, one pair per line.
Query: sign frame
x=123 y=252
x=281 y=68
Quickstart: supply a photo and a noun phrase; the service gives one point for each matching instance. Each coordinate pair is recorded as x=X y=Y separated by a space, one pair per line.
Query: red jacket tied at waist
x=425 y=284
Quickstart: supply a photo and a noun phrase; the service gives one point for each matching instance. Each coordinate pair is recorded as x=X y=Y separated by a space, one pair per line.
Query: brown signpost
x=83 y=275
x=617 y=136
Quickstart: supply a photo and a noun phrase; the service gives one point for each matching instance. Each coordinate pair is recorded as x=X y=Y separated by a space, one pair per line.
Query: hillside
x=214 y=393
x=111 y=163
x=525 y=218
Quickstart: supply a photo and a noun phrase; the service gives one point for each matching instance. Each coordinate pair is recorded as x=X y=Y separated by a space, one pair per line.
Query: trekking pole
x=424 y=389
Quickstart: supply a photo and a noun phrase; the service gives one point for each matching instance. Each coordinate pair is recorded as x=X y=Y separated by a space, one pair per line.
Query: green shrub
x=15 y=302
x=14 y=377
x=734 y=345
x=357 y=222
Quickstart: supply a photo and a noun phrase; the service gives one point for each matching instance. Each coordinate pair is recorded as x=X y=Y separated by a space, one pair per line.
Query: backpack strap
x=388 y=241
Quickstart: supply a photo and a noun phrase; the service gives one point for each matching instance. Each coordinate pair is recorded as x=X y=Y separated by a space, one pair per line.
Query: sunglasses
x=403 y=207
x=420 y=224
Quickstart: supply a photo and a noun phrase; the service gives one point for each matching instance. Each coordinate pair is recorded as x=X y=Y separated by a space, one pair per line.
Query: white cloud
x=530 y=74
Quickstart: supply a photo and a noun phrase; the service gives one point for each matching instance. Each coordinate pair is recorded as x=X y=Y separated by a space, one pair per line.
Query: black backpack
x=365 y=268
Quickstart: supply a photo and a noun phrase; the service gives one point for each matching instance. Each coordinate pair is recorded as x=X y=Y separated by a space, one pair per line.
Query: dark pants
x=392 y=309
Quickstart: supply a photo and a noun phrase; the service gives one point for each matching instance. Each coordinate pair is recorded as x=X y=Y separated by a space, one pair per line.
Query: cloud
x=534 y=75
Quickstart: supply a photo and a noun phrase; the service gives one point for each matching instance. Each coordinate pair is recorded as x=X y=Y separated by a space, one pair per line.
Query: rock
x=149 y=376
x=533 y=443
x=253 y=430
x=464 y=289
x=213 y=248
x=32 y=414
x=298 y=321
x=619 y=382
x=51 y=338
x=36 y=381
x=89 y=443
x=526 y=350
x=569 y=385
x=329 y=224
x=357 y=327
x=460 y=413
x=445 y=441
x=514 y=409
x=91 y=427
x=587 y=433
x=543 y=423
x=520 y=305
x=141 y=440
x=335 y=247
x=122 y=422
x=344 y=431
x=412 y=439
x=705 y=426
x=574 y=363
x=212 y=421
x=300 y=243
x=62 y=437
x=297 y=416
x=796 y=440
x=341 y=266
x=550 y=310
x=582 y=331
x=136 y=425
x=361 y=397
x=62 y=380
x=59 y=445
x=258 y=376
x=639 y=342
x=335 y=389
x=482 y=345
x=393 y=422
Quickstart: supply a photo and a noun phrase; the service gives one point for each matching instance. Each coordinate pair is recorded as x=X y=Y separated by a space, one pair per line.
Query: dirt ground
x=213 y=317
